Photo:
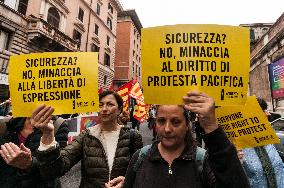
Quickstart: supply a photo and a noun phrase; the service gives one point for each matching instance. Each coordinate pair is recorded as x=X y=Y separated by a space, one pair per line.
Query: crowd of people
x=34 y=150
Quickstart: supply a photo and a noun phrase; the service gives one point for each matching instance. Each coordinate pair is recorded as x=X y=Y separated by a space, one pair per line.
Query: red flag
x=136 y=92
x=123 y=91
x=111 y=86
x=100 y=90
x=140 y=111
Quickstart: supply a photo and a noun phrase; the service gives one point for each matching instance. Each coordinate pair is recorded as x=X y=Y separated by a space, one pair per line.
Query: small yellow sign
x=246 y=126
x=67 y=81
x=209 y=58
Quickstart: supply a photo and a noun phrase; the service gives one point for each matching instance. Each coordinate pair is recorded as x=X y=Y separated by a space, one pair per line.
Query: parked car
x=278 y=126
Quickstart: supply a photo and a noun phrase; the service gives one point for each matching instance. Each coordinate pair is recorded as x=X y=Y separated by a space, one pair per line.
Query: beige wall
x=68 y=12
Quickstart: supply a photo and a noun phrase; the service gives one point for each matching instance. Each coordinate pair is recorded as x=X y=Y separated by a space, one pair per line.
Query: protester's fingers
x=47 y=121
x=48 y=113
x=37 y=110
x=193 y=93
x=10 y=151
x=200 y=105
x=24 y=148
x=117 y=182
x=194 y=99
x=41 y=116
x=4 y=150
x=15 y=148
x=195 y=109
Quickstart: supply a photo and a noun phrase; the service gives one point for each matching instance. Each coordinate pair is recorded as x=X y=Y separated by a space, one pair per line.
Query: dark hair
x=262 y=103
x=189 y=116
x=116 y=96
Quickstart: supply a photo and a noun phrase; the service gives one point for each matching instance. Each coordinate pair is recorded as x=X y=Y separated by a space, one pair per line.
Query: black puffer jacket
x=11 y=177
x=88 y=148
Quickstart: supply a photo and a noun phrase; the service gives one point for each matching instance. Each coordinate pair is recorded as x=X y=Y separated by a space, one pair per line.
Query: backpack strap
x=142 y=153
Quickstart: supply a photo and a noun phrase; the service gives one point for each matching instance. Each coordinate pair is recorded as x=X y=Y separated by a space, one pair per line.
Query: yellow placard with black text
x=67 y=81
x=246 y=126
x=209 y=58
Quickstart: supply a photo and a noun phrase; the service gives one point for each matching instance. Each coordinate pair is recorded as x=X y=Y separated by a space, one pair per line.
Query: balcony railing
x=39 y=28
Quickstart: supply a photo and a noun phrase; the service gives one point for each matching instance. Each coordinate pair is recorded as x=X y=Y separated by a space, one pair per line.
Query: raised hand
x=41 y=119
x=19 y=157
x=204 y=107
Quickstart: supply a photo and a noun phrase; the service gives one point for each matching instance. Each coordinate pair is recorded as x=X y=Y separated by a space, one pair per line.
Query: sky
x=224 y=12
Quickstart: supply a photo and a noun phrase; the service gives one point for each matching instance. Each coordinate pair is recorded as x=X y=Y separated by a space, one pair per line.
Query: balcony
x=39 y=31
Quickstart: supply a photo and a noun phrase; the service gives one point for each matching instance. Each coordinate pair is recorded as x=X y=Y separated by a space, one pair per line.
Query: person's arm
x=130 y=173
x=223 y=161
x=222 y=155
x=55 y=162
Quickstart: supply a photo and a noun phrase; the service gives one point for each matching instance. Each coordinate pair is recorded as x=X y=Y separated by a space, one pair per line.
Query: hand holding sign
x=204 y=106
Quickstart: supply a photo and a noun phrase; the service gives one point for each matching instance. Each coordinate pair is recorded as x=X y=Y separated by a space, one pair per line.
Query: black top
x=221 y=167
x=17 y=178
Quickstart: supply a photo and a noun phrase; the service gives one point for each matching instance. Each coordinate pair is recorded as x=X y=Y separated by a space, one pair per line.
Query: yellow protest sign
x=209 y=58
x=246 y=126
x=68 y=81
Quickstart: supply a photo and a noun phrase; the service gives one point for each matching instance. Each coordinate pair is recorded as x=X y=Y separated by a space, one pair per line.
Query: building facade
x=128 y=48
x=257 y=30
x=268 y=49
x=29 y=26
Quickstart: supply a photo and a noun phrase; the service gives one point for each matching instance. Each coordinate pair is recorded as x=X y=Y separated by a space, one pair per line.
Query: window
x=96 y=29
x=136 y=69
x=95 y=48
x=264 y=30
x=133 y=53
x=11 y=3
x=139 y=72
x=23 y=4
x=134 y=42
x=53 y=17
x=4 y=36
x=134 y=31
x=108 y=40
x=81 y=15
x=133 y=68
x=109 y=23
x=110 y=8
x=98 y=8
x=4 y=40
x=107 y=60
x=77 y=37
x=252 y=35
x=105 y=79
